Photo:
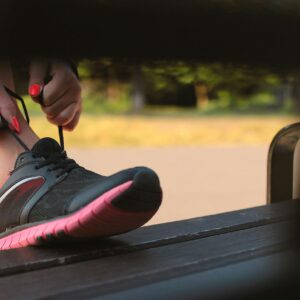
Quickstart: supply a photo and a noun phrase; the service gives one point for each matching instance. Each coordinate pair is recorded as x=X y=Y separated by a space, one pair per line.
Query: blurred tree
x=208 y=79
x=187 y=83
x=138 y=90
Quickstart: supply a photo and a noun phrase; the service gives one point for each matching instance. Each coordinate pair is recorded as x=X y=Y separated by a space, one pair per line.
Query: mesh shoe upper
x=54 y=203
x=46 y=184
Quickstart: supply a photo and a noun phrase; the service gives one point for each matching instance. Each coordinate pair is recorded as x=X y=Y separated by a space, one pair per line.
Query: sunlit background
x=204 y=128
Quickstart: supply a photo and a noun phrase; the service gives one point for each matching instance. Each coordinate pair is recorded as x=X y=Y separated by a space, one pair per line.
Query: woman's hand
x=8 y=106
x=8 y=110
x=62 y=101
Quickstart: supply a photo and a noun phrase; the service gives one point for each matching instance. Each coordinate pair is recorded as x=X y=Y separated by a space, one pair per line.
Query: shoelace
x=59 y=161
x=16 y=96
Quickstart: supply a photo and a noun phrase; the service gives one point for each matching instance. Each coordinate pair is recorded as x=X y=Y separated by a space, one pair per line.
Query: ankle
x=9 y=151
x=10 y=148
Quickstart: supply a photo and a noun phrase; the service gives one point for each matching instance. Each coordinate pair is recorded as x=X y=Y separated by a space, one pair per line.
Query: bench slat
x=111 y=274
x=28 y=259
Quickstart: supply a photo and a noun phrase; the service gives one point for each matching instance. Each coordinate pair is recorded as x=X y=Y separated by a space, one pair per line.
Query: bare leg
x=9 y=147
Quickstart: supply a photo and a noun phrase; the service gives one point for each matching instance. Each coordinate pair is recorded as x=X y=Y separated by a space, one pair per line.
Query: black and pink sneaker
x=50 y=197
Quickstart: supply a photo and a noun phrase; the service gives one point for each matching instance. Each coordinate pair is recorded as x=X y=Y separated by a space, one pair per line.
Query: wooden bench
x=208 y=256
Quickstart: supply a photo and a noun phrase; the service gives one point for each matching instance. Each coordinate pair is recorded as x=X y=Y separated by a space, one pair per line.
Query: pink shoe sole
x=100 y=218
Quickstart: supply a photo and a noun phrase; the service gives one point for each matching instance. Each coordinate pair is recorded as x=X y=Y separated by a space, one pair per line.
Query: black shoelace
x=59 y=161
x=16 y=96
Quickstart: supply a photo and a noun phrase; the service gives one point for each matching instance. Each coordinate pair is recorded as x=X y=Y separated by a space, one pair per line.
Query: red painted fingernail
x=35 y=89
x=16 y=125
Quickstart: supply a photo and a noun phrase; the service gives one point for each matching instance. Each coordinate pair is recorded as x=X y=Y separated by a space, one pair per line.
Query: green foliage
x=98 y=103
x=165 y=75
x=230 y=88
x=214 y=75
x=84 y=70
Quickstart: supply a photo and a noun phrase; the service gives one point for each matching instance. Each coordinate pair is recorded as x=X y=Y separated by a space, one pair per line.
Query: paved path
x=196 y=181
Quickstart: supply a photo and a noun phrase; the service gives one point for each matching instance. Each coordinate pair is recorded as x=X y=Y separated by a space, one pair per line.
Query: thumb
x=37 y=74
x=8 y=110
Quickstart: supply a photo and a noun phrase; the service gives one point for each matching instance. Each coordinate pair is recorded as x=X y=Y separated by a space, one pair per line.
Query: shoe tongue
x=47 y=146
x=44 y=147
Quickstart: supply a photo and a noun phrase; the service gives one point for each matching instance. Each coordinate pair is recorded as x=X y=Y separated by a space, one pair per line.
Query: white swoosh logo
x=17 y=185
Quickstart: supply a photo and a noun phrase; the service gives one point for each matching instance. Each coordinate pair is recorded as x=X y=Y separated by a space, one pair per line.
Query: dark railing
x=281 y=164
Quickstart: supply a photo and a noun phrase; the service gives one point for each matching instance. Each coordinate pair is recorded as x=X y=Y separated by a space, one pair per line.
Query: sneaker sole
x=100 y=218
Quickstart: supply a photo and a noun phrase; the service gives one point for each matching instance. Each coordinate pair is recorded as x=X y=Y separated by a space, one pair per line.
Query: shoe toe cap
x=144 y=194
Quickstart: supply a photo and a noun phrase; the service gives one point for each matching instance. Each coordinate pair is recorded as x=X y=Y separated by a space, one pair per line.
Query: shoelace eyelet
x=60 y=161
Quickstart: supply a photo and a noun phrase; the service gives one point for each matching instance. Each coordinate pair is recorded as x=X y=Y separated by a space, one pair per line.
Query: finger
x=65 y=116
x=62 y=81
x=8 y=110
x=53 y=110
x=37 y=74
x=72 y=95
x=72 y=125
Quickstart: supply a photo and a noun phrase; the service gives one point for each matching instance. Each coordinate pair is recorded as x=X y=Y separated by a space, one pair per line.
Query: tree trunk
x=201 y=90
x=296 y=93
x=138 y=95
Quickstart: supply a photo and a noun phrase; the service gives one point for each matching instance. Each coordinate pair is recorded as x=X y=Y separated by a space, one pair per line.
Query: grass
x=152 y=130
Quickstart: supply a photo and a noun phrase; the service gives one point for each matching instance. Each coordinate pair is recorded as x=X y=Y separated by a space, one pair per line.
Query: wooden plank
x=128 y=270
x=243 y=280
x=29 y=259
